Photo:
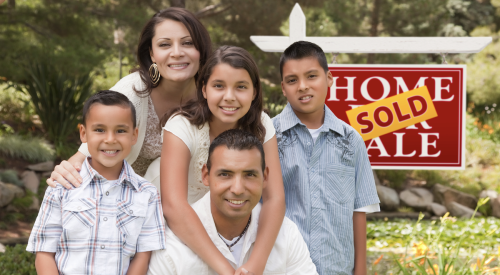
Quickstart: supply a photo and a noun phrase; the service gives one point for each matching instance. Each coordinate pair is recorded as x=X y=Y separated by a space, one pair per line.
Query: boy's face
x=109 y=134
x=236 y=181
x=305 y=85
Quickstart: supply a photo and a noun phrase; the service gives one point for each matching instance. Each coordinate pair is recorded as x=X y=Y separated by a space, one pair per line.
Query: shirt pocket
x=79 y=218
x=341 y=182
x=129 y=221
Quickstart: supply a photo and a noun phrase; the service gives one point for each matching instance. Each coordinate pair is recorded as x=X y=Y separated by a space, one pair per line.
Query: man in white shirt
x=236 y=174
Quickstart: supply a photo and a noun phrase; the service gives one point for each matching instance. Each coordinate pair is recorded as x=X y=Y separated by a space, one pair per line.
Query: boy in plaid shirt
x=112 y=222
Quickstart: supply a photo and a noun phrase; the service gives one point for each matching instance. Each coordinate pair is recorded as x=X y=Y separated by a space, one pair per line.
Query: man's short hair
x=108 y=98
x=303 y=49
x=237 y=139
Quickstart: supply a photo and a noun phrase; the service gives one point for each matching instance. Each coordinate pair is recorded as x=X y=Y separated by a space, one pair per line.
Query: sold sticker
x=392 y=113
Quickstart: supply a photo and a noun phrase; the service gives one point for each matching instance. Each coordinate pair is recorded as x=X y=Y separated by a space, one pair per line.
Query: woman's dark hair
x=197 y=111
x=199 y=34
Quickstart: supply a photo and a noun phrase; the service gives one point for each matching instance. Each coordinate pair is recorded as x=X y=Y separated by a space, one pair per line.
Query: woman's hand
x=67 y=172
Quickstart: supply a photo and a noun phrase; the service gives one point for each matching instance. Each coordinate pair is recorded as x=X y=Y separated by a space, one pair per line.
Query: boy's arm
x=152 y=236
x=139 y=264
x=359 y=225
x=45 y=263
x=47 y=229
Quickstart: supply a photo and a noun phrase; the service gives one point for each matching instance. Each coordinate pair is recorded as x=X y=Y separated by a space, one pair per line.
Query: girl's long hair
x=197 y=111
x=199 y=34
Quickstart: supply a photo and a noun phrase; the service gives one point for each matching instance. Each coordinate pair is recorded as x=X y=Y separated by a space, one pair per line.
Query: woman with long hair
x=172 y=49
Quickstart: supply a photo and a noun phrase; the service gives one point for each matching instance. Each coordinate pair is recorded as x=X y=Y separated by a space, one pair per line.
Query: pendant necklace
x=239 y=237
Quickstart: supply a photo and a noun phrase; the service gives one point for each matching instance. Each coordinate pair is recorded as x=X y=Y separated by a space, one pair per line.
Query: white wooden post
x=368 y=44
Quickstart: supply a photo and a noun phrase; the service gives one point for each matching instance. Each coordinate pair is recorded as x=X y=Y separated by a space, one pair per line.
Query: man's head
x=305 y=77
x=109 y=128
x=236 y=173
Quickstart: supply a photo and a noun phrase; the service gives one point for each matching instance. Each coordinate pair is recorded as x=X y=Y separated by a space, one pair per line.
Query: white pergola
x=368 y=44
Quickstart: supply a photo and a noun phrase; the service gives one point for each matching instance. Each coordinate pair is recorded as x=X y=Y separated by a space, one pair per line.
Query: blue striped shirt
x=324 y=182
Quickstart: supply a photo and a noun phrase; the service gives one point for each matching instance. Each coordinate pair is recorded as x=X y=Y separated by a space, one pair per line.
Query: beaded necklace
x=239 y=237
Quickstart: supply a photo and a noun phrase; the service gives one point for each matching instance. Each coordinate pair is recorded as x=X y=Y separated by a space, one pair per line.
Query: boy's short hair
x=108 y=98
x=303 y=49
x=237 y=139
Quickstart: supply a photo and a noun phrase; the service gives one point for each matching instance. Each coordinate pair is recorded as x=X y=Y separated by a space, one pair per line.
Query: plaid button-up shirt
x=98 y=228
x=325 y=181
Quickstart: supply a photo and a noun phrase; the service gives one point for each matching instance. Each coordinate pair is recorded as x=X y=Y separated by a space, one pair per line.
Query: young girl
x=229 y=96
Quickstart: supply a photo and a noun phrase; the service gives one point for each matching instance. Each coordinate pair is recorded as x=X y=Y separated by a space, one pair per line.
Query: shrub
x=274 y=101
x=16 y=260
x=33 y=149
x=396 y=178
x=10 y=176
x=58 y=99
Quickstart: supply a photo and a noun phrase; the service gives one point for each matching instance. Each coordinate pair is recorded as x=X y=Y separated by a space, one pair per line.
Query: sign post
x=435 y=143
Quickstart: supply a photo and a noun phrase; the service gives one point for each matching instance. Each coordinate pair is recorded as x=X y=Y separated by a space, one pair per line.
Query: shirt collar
x=203 y=208
x=289 y=119
x=126 y=175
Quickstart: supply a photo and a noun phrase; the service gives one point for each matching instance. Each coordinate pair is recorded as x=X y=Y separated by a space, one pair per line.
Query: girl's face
x=174 y=52
x=229 y=93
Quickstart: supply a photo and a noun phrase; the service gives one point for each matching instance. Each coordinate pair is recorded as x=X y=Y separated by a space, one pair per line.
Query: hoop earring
x=154 y=73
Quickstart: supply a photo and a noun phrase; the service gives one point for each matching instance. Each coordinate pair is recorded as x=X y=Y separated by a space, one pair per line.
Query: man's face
x=236 y=180
x=109 y=134
x=305 y=85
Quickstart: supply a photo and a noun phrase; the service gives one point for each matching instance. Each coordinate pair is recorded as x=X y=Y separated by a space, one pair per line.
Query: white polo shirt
x=288 y=256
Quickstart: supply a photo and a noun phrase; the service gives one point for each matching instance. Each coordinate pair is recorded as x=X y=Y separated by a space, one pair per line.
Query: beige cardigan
x=126 y=86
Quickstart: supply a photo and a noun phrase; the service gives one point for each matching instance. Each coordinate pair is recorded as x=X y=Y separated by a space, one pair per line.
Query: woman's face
x=229 y=93
x=174 y=52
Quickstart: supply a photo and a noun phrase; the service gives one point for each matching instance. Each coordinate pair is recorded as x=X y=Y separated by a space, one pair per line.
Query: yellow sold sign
x=393 y=113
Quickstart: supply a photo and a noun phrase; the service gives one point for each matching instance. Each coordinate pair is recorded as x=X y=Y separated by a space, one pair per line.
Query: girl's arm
x=272 y=213
x=181 y=218
x=68 y=171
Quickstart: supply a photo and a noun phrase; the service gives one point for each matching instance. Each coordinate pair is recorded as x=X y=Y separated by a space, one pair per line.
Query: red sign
x=437 y=143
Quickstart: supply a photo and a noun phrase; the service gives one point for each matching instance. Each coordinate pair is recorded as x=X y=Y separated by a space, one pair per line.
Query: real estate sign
x=396 y=97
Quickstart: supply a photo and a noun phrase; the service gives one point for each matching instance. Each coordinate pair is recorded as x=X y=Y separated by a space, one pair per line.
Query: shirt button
x=107 y=193
x=131 y=212
x=308 y=144
x=105 y=218
x=102 y=247
x=79 y=208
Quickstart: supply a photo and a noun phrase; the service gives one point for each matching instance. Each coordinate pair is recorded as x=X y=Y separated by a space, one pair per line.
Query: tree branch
x=211 y=11
x=36 y=30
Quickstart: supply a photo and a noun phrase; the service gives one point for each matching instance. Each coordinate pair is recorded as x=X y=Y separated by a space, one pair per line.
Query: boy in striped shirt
x=112 y=222
x=328 y=180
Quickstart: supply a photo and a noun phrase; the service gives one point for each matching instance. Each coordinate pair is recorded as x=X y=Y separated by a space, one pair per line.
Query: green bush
x=58 y=99
x=24 y=202
x=16 y=260
x=10 y=176
x=396 y=178
x=274 y=100
x=16 y=110
x=33 y=149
